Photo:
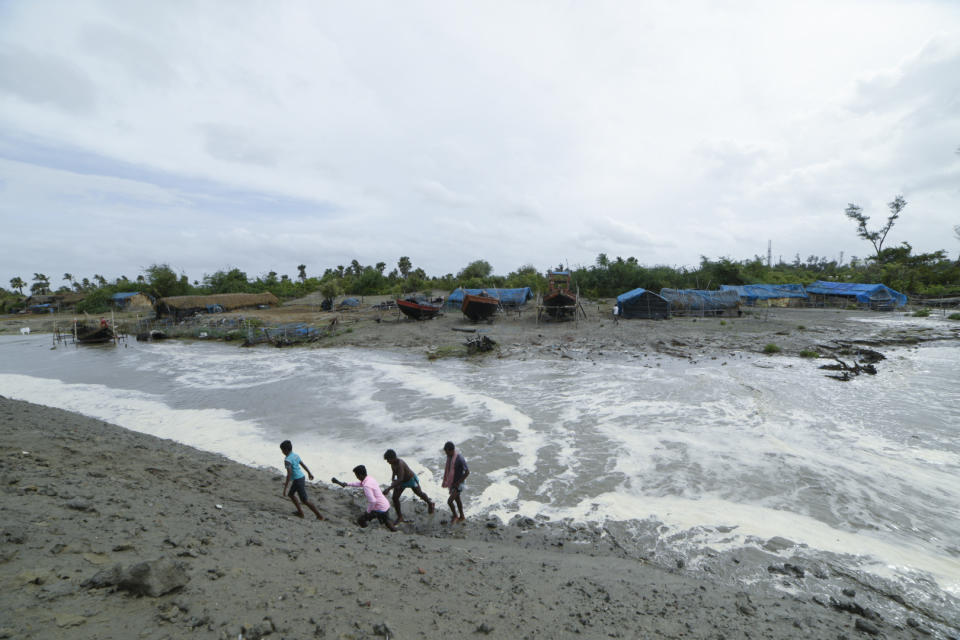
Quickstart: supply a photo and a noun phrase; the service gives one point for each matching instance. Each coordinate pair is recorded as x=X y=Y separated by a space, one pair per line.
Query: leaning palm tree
x=18 y=284
x=68 y=277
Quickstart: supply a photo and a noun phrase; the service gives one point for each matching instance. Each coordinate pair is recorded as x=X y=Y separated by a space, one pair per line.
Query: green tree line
x=930 y=274
x=925 y=274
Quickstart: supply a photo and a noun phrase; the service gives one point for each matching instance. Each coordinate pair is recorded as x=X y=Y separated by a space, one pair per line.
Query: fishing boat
x=479 y=307
x=93 y=334
x=418 y=308
x=560 y=301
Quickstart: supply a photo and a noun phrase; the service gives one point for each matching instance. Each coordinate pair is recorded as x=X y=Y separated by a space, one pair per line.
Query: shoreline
x=90 y=495
x=796 y=332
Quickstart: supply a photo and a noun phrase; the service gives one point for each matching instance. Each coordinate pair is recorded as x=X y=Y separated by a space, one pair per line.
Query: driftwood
x=864 y=359
x=848 y=372
x=465 y=329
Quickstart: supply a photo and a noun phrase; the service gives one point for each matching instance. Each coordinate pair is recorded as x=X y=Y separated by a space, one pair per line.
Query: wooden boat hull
x=94 y=335
x=418 y=310
x=560 y=304
x=478 y=308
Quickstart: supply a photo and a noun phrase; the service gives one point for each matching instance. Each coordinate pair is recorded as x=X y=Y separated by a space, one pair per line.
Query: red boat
x=479 y=307
x=418 y=309
x=559 y=301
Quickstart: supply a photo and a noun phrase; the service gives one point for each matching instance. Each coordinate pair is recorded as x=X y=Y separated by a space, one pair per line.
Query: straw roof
x=226 y=300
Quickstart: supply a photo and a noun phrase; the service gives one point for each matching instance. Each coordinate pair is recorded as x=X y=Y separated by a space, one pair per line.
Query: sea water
x=729 y=451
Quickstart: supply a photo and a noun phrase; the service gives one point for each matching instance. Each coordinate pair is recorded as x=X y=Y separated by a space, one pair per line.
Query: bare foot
x=398 y=520
x=299 y=514
x=431 y=506
x=319 y=517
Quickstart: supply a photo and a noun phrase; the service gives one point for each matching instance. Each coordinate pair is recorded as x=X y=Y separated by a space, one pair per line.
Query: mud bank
x=109 y=533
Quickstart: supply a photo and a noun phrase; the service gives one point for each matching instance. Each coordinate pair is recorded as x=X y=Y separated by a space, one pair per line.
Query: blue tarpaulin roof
x=753 y=292
x=700 y=299
x=126 y=295
x=865 y=293
x=350 y=302
x=630 y=295
x=508 y=297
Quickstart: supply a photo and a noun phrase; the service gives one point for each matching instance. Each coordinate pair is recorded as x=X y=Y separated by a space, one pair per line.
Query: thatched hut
x=63 y=301
x=132 y=301
x=179 y=307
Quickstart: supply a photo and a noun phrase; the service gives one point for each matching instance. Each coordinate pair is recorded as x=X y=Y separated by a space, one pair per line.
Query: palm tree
x=302 y=268
x=18 y=284
x=41 y=284
x=101 y=281
x=68 y=277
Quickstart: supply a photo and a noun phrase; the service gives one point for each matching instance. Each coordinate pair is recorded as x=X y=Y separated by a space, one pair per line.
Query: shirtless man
x=403 y=478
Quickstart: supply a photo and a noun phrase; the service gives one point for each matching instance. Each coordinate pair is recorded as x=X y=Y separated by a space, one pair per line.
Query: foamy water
x=870 y=467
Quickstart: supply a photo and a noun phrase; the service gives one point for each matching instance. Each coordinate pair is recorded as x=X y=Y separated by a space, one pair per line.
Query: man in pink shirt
x=377 y=505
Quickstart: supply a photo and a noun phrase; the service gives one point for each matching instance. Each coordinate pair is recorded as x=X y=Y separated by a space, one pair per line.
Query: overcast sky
x=262 y=135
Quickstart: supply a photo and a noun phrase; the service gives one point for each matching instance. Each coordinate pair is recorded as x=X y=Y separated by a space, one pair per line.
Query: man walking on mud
x=454 y=474
x=403 y=478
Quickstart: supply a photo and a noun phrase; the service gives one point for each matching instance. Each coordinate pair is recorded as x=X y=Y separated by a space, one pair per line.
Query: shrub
x=801 y=327
x=807 y=353
x=953 y=316
x=771 y=348
x=723 y=322
x=921 y=313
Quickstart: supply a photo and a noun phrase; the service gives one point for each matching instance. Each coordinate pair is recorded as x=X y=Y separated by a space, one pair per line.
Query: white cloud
x=515 y=132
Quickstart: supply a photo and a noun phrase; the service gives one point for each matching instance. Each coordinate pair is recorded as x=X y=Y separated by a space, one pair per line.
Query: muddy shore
x=107 y=533
x=824 y=333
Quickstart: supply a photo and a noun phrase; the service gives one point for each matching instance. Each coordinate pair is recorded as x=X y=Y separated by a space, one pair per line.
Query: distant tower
x=769 y=253
x=840 y=264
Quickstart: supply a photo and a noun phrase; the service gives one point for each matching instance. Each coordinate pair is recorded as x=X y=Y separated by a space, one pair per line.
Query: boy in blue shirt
x=296 y=480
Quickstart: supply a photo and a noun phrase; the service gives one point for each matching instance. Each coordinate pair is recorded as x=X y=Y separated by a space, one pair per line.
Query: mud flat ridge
x=107 y=533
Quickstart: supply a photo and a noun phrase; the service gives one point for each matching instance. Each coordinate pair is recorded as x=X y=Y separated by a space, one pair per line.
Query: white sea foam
x=869 y=466
x=221 y=367
x=750 y=521
x=214 y=430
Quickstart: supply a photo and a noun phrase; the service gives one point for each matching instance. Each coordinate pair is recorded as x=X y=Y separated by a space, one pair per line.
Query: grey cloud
x=42 y=78
x=232 y=144
x=141 y=60
x=437 y=192
x=928 y=84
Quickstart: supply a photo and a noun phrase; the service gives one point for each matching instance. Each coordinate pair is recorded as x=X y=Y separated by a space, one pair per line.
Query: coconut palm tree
x=41 y=284
x=18 y=284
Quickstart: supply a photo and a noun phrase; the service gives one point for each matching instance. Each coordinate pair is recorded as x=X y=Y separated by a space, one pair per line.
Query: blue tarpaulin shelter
x=641 y=303
x=508 y=297
x=876 y=296
x=697 y=301
x=751 y=293
x=349 y=302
